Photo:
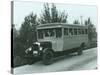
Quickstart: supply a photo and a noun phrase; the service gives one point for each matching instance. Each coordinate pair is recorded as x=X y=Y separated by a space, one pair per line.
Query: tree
x=88 y=22
x=28 y=31
x=54 y=14
x=76 y=22
x=27 y=35
x=45 y=17
x=91 y=29
x=51 y=15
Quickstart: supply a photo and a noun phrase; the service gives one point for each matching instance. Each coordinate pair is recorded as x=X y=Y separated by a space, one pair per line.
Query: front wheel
x=47 y=57
x=29 y=61
x=80 y=49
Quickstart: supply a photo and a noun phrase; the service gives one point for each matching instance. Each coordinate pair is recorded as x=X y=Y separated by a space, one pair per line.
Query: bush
x=19 y=61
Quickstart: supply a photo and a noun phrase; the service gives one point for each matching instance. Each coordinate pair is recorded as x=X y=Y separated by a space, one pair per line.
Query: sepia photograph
x=53 y=37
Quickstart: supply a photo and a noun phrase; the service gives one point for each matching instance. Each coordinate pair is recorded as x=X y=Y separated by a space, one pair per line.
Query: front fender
x=46 y=49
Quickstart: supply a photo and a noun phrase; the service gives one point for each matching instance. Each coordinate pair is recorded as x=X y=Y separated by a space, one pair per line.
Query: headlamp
x=30 y=49
x=40 y=48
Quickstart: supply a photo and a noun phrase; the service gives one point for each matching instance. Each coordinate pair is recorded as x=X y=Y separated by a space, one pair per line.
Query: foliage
x=88 y=22
x=76 y=22
x=28 y=30
x=91 y=29
x=25 y=38
x=51 y=15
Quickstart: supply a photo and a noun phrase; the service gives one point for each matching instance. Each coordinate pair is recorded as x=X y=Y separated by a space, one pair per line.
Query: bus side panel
x=59 y=44
x=74 y=41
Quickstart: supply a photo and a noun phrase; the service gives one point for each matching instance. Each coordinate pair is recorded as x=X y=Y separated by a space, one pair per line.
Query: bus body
x=55 y=38
x=63 y=36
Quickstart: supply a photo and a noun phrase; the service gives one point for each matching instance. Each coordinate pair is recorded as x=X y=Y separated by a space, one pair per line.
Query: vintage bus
x=55 y=38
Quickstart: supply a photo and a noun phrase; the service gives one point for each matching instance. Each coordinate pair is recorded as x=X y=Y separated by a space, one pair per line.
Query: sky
x=74 y=11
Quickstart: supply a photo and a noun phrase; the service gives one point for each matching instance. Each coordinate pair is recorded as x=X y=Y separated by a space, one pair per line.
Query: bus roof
x=57 y=25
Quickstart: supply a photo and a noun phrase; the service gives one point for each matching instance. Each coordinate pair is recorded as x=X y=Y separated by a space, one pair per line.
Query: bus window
x=58 y=32
x=70 y=31
x=65 y=31
x=75 y=31
x=82 y=31
x=40 y=34
x=86 y=31
x=46 y=32
x=52 y=32
x=79 y=31
x=49 y=32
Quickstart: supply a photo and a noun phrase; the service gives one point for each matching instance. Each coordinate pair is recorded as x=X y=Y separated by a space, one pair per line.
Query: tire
x=47 y=57
x=29 y=61
x=80 y=50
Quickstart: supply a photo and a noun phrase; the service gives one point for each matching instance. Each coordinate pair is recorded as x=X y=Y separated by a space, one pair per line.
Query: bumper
x=34 y=54
x=28 y=56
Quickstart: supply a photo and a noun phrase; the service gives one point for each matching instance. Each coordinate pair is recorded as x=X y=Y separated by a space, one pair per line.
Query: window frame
x=66 y=31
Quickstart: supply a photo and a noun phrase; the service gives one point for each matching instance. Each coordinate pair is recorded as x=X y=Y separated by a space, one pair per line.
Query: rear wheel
x=47 y=57
x=29 y=61
x=80 y=50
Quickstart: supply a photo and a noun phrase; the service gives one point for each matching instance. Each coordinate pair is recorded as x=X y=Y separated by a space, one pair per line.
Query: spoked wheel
x=47 y=57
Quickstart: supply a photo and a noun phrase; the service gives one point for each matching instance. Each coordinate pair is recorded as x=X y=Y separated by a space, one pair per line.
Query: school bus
x=55 y=38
